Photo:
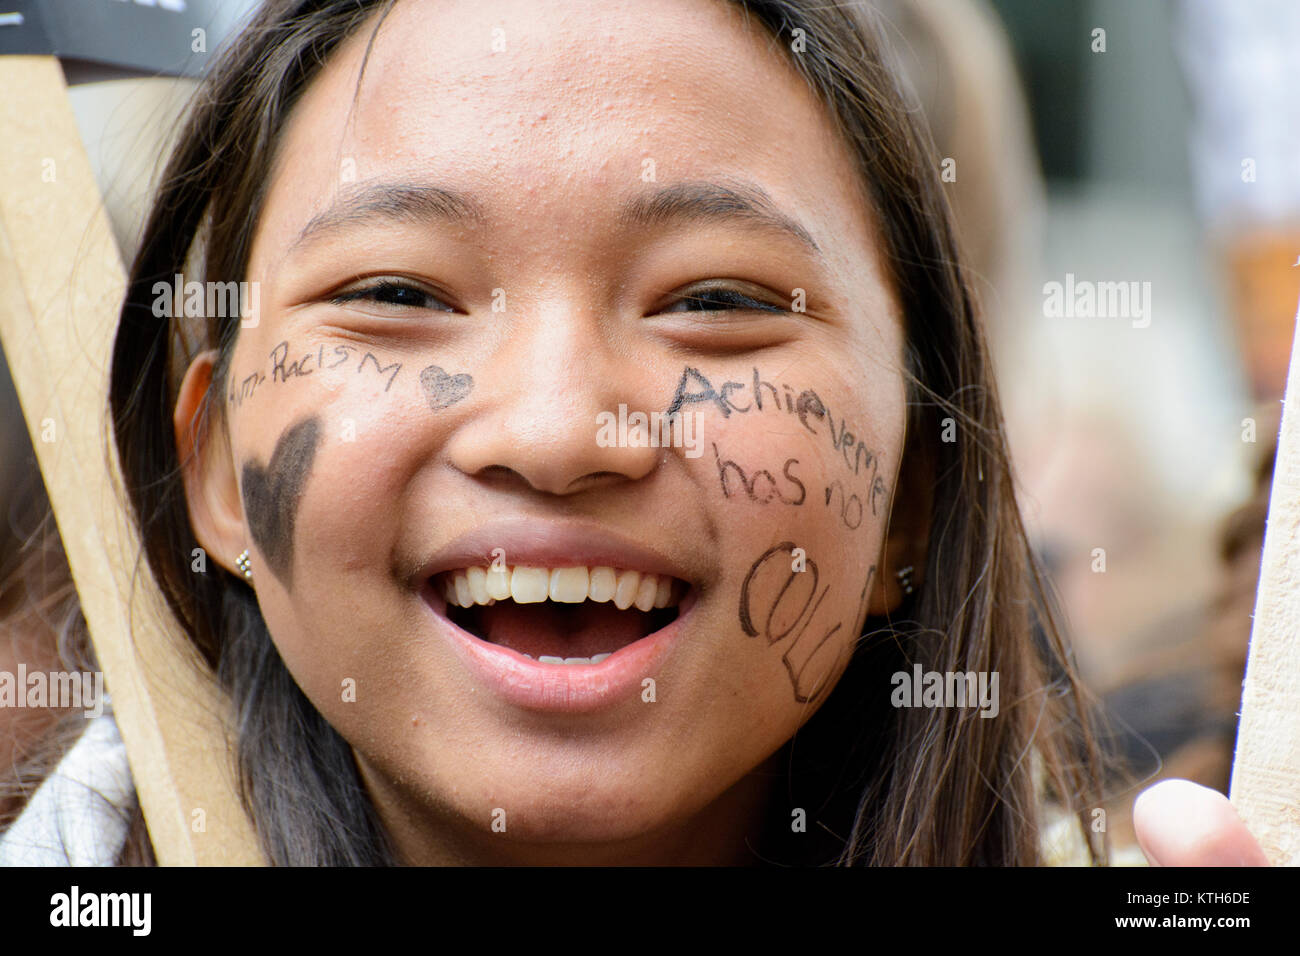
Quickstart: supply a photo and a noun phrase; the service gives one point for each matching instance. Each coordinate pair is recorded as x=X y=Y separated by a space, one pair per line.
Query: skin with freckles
x=518 y=177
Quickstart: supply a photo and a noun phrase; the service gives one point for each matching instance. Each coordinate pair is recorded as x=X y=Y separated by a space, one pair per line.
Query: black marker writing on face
x=760 y=486
x=325 y=357
x=283 y=370
x=850 y=505
x=271 y=495
x=794 y=605
x=442 y=389
x=764 y=397
x=247 y=388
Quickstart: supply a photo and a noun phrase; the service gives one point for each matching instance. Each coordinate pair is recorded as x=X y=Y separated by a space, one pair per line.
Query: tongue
x=561 y=630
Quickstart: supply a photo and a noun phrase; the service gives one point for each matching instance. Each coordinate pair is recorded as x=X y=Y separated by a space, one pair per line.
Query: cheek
x=798 y=473
x=325 y=508
x=368 y=413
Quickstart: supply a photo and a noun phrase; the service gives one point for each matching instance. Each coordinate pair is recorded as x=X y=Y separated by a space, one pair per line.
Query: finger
x=1180 y=823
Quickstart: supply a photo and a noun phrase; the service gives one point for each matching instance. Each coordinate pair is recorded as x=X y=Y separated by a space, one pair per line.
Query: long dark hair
x=880 y=785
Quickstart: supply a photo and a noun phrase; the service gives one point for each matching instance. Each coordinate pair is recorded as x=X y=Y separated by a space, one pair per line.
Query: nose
x=545 y=387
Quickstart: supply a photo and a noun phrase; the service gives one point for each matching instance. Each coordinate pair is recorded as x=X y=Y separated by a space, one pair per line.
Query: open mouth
x=573 y=615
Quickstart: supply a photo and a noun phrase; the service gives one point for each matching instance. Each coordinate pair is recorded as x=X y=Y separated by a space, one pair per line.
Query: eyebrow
x=695 y=201
x=396 y=202
x=710 y=202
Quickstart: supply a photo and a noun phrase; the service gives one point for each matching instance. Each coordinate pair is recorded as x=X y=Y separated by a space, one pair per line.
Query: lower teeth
x=547 y=659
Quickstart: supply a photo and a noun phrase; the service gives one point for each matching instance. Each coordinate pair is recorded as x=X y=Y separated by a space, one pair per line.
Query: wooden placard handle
x=1266 y=770
x=61 y=286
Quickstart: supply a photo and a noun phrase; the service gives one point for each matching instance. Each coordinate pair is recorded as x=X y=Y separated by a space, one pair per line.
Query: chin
x=545 y=810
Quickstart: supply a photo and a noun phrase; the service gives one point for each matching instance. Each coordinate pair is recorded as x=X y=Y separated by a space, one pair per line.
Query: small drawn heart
x=443 y=389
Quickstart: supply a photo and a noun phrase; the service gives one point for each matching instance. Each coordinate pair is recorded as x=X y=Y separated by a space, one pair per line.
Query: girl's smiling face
x=523 y=218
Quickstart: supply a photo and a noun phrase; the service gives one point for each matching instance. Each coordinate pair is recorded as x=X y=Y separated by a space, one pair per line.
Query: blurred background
x=1155 y=144
x=1090 y=141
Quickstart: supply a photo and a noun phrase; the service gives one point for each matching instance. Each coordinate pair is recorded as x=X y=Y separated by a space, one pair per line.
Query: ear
x=907 y=536
x=207 y=467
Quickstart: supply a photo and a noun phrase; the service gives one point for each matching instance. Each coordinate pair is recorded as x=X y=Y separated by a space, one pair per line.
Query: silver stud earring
x=905 y=579
x=245 y=565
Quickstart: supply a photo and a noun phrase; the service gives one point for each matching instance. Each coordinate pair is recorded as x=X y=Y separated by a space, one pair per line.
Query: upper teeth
x=529 y=585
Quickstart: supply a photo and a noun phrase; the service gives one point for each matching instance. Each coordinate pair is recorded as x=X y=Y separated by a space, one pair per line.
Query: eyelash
x=731 y=299
x=372 y=293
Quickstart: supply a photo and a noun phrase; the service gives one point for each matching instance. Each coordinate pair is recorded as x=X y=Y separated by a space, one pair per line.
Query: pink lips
x=558 y=688
x=561 y=688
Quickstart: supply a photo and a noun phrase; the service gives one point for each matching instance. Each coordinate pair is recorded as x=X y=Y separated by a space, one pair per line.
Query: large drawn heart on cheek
x=442 y=389
x=271 y=495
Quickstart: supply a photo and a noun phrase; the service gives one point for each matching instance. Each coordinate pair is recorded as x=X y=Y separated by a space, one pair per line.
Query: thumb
x=1180 y=823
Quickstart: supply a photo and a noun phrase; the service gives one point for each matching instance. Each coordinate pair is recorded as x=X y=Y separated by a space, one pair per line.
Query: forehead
x=547 y=110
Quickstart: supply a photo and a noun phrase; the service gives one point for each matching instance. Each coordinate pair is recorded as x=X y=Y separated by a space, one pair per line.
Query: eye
x=393 y=293
x=720 y=298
